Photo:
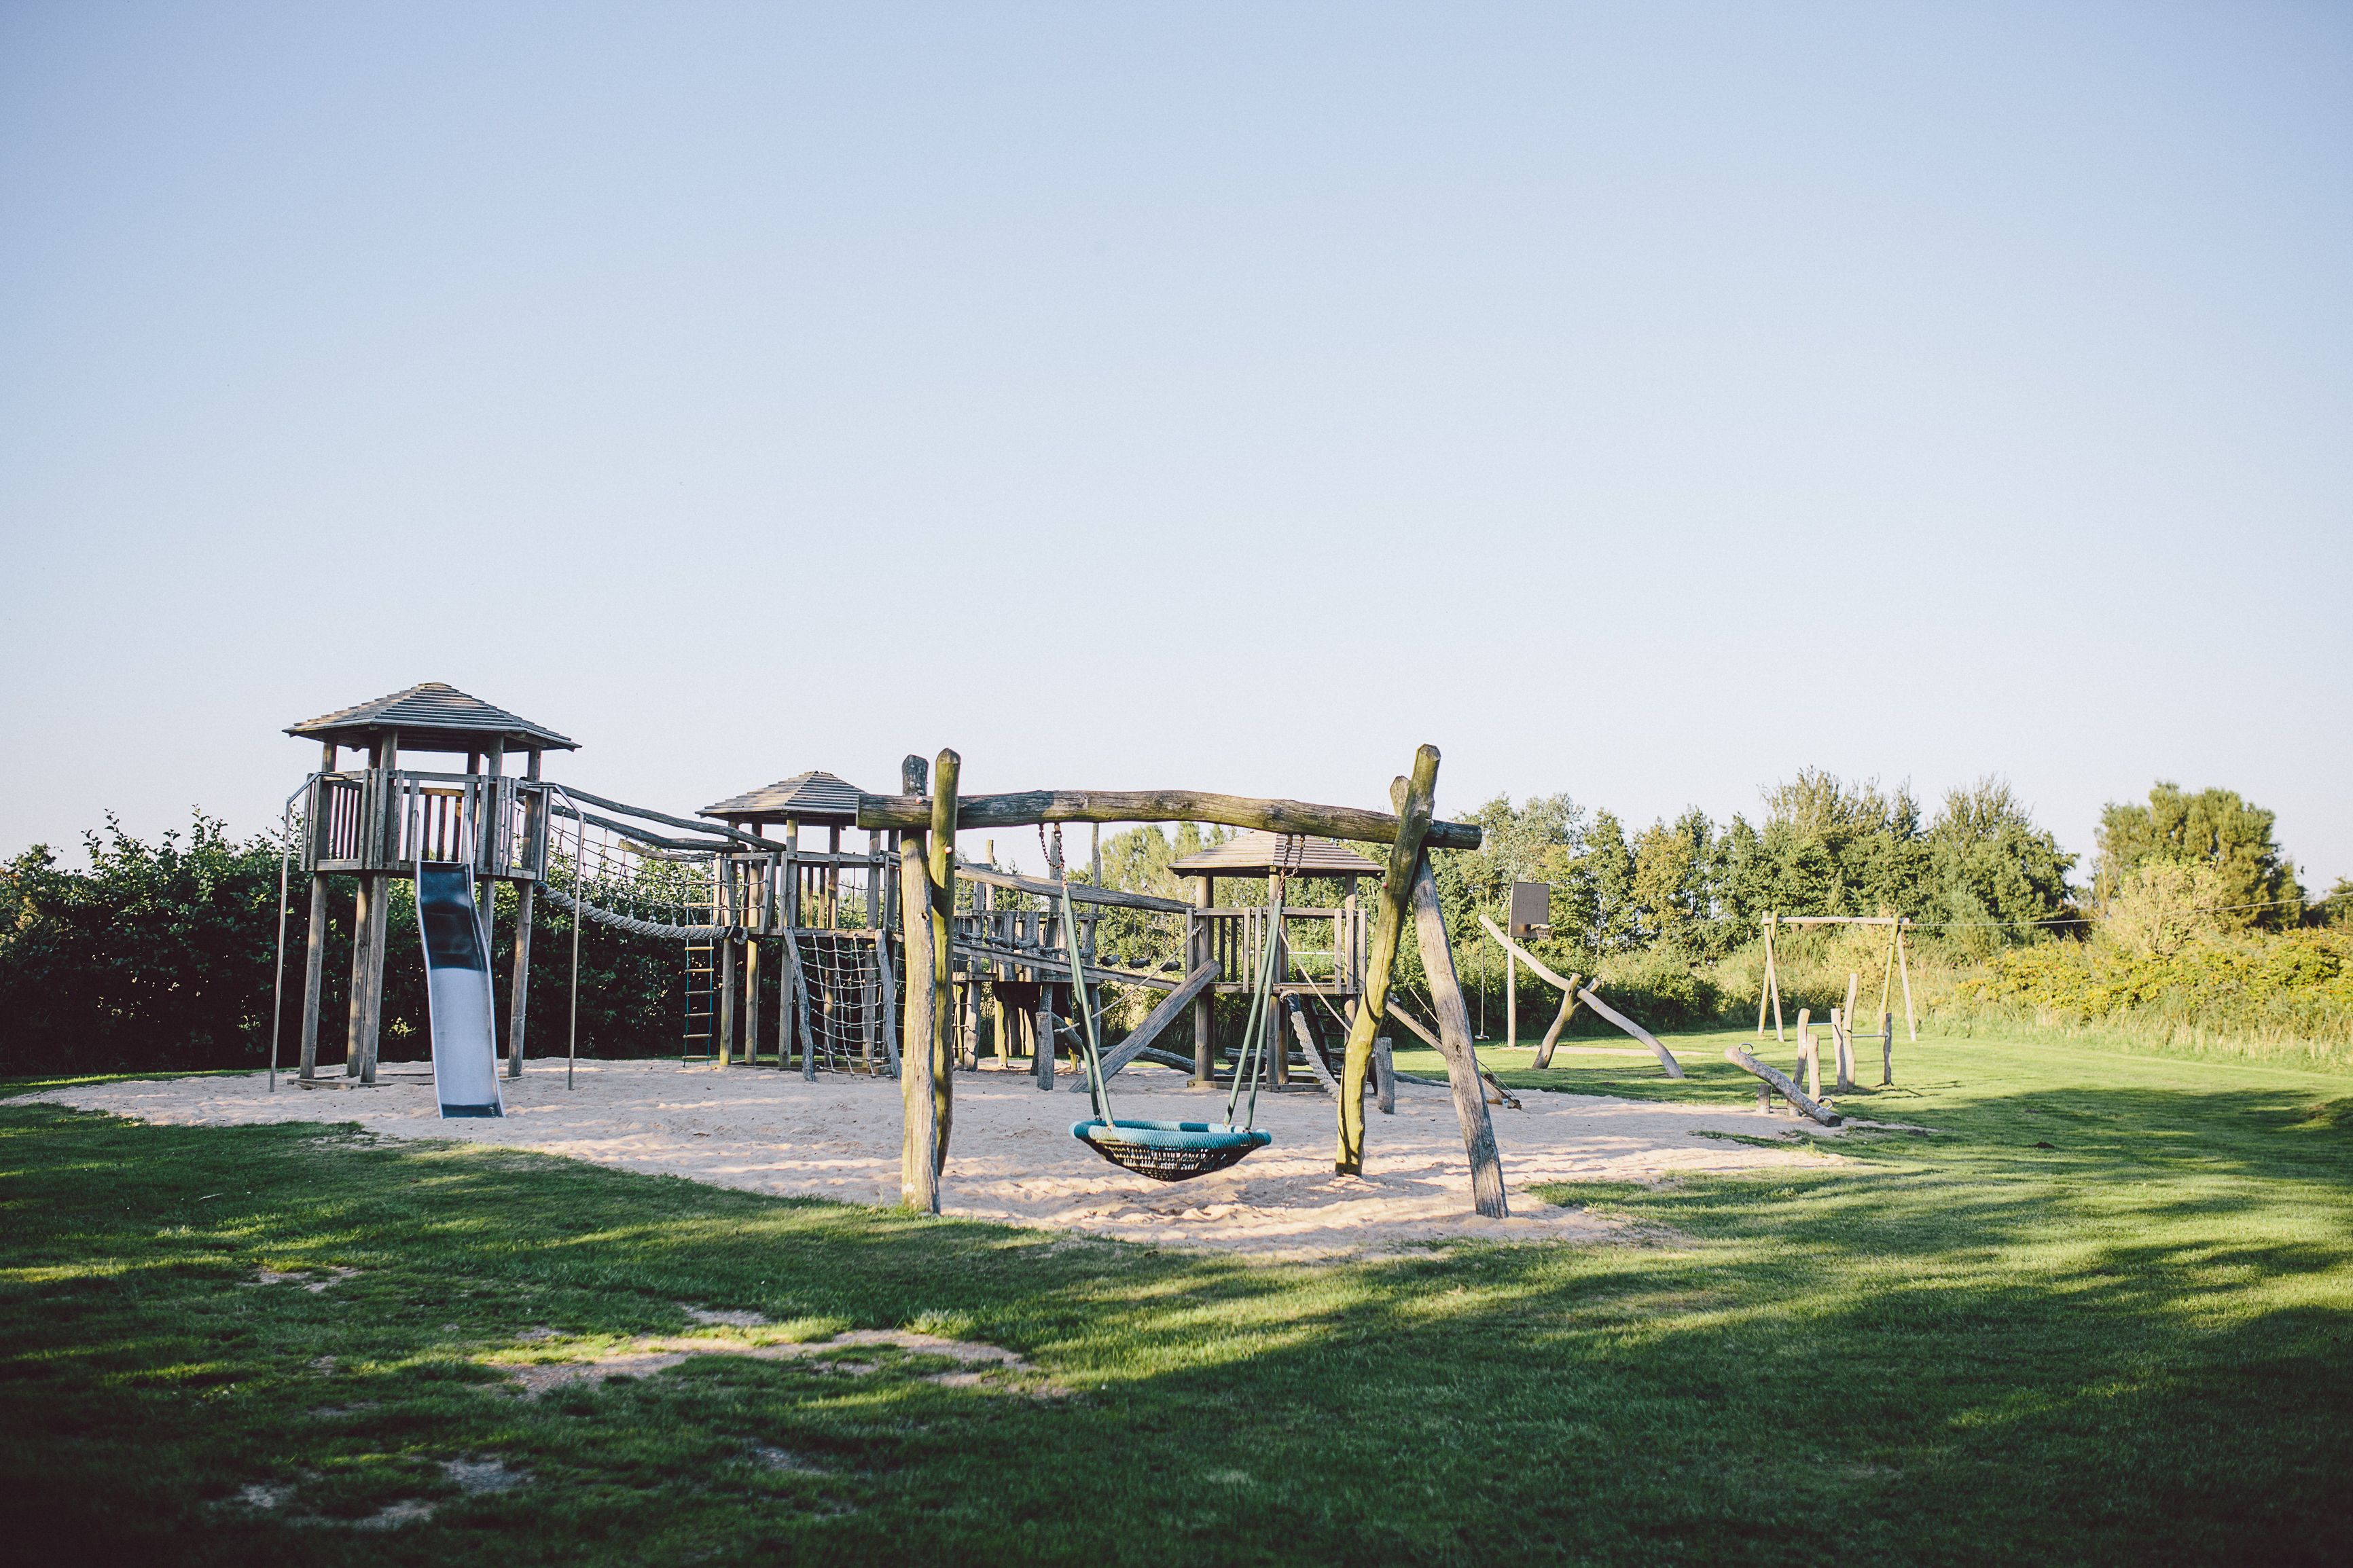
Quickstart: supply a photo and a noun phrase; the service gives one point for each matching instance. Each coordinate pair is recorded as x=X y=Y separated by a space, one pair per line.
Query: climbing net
x=844 y=999
x=612 y=880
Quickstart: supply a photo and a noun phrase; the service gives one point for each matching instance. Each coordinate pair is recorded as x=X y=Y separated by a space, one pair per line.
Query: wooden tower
x=375 y=821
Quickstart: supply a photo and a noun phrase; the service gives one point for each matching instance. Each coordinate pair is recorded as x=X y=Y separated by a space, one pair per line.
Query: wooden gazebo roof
x=1257 y=854
x=813 y=799
x=432 y=717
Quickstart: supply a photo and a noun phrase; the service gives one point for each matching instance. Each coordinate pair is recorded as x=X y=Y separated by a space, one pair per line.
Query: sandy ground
x=1012 y=1156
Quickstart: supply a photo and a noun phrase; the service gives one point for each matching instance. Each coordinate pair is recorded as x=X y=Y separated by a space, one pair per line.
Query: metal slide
x=458 y=984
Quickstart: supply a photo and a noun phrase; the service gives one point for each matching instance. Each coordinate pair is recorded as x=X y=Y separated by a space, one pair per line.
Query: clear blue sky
x=1642 y=402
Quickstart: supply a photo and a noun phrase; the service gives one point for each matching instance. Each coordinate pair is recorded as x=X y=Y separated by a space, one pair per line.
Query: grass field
x=2102 y=1314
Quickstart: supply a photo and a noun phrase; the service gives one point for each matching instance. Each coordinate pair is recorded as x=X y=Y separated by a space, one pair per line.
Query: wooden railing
x=387 y=819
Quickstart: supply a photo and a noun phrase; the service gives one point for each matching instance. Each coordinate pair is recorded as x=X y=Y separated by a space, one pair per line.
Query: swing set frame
x=1894 y=966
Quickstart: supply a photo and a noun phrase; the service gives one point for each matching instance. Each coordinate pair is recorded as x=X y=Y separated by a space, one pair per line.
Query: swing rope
x=1169 y=1151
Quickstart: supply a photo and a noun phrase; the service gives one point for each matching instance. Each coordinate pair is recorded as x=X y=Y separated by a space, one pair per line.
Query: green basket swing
x=1172 y=1151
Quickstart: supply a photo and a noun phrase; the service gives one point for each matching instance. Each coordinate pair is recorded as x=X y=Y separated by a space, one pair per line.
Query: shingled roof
x=813 y=799
x=1257 y=854
x=432 y=717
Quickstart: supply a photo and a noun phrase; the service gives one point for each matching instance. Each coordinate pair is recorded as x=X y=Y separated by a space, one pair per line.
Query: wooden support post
x=945 y=770
x=1886 y=1049
x=1559 y=1021
x=1845 y=1026
x=526 y=900
x=1911 y=1020
x=919 y=1173
x=1809 y=1057
x=1454 y=1041
x=1413 y=804
x=722 y=1036
x=1384 y=1078
x=1511 y=1000
x=1042 y=1038
x=314 y=975
x=1205 y=1006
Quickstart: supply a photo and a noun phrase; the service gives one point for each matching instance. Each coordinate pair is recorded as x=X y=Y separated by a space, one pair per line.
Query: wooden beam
x=1462 y=1073
x=1079 y=892
x=1171 y=1007
x=1163 y=806
x=1414 y=798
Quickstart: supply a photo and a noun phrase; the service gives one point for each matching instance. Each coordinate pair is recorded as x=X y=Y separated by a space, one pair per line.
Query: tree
x=2255 y=884
x=1673 y=882
x=1996 y=875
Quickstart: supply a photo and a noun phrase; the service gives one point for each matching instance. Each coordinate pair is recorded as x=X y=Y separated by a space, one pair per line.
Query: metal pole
x=278 y=986
x=579 y=902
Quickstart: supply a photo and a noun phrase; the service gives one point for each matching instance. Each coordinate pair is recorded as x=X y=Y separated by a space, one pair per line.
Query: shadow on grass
x=2130 y=1347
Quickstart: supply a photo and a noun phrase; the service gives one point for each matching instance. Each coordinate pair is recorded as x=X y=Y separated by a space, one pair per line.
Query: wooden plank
x=1079 y=892
x=1171 y=1007
x=1036 y=806
x=1780 y=1080
x=1413 y=797
x=1462 y=1073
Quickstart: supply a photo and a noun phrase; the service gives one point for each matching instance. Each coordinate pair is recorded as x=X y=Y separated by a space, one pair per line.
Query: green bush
x=160 y=957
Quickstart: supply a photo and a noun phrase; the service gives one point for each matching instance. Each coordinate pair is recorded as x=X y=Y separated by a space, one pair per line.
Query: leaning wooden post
x=1454 y=1041
x=942 y=870
x=1396 y=895
x=919 y=1174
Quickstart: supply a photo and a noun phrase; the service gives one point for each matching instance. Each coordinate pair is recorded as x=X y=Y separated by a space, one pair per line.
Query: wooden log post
x=1384 y=1078
x=946 y=770
x=1559 y=1021
x=1454 y=1040
x=1205 y=1006
x=314 y=975
x=534 y=833
x=1414 y=805
x=1886 y=1049
x=1846 y=1036
x=373 y=916
x=314 y=943
x=1041 y=1039
x=1779 y=1080
x=919 y=1173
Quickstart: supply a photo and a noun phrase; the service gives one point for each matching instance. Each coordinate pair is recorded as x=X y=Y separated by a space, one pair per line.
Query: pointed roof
x=1260 y=854
x=432 y=717
x=813 y=799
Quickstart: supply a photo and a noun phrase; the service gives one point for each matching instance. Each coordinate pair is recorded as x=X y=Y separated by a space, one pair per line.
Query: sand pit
x=1012 y=1158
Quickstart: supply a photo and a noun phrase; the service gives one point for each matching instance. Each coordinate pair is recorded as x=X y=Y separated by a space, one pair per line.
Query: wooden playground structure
x=877 y=966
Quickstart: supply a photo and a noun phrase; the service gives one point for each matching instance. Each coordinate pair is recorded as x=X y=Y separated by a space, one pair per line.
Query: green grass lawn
x=2103 y=1314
